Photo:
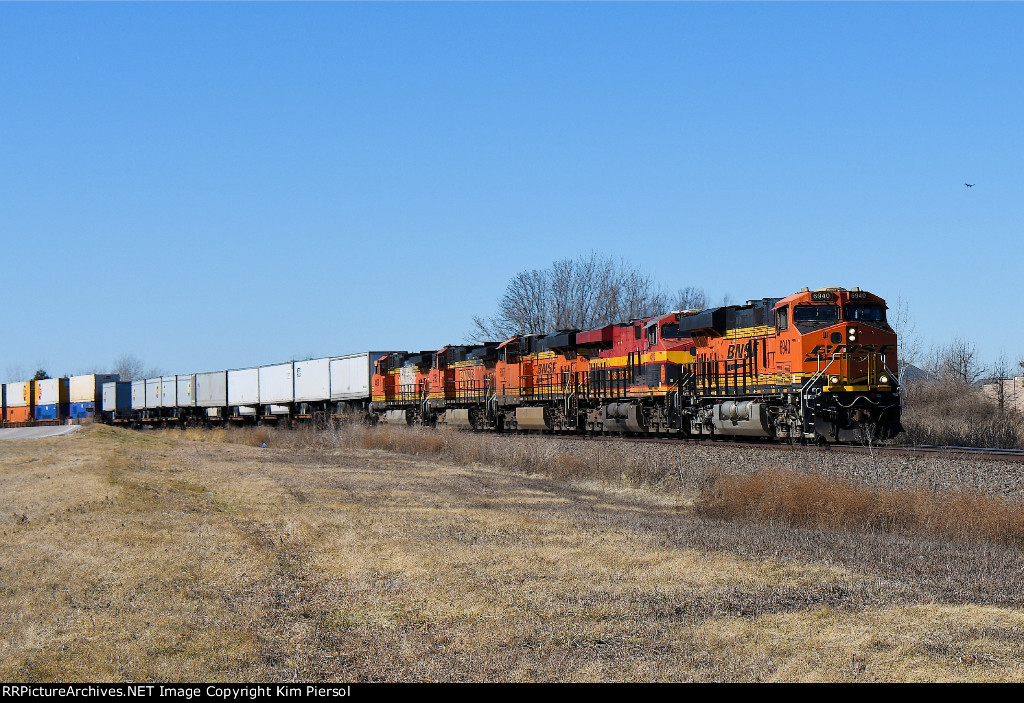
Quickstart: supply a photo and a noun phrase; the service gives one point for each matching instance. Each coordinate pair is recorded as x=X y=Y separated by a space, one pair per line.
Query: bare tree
x=691 y=298
x=956 y=363
x=1000 y=373
x=632 y=295
x=576 y=287
x=582 y=293
x=962 y=362
x=15 y=373
x=908 y=342
x=130 y=368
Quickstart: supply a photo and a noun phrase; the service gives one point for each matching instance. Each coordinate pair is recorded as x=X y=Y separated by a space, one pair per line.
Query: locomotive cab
x=818 y=365
x=841 y=354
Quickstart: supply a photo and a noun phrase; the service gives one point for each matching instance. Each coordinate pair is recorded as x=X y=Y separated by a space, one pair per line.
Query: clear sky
x=218 y=185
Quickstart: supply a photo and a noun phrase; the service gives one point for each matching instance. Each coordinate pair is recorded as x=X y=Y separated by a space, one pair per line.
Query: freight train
x=817 y=366
x=312 y=390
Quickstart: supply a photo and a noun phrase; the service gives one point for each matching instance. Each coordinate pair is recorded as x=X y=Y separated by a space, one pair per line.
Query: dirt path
x=38 y=432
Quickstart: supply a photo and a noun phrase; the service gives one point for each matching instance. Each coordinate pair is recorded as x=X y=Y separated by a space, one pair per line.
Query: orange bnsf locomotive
x=817 y=365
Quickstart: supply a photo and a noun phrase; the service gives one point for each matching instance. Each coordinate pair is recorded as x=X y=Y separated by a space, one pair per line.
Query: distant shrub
x=809 y=500
x=949 y=413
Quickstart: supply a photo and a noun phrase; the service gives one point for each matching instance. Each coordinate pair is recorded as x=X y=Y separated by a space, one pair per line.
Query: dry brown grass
x=826 y=503
x=142 y=556
x=797 y=498
x=531 y=454
x=951 y=414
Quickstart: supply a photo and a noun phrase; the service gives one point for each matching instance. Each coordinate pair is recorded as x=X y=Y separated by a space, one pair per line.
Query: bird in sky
x=969 y=185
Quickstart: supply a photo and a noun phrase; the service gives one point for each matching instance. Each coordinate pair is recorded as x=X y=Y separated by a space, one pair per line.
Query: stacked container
x=51 y=399
x=85 y=393
x=19 y=401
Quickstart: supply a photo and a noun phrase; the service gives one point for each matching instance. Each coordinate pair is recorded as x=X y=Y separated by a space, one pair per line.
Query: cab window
x=652 y=335
x=670 y=331
x=816 y=313
x=782 y=318
x=867 y=313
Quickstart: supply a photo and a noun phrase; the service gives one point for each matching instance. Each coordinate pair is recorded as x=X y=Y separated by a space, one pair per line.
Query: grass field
x=140 y=556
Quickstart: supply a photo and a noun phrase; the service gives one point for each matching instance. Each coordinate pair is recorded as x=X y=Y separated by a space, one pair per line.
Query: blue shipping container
x=82 y=410
x=48 y=412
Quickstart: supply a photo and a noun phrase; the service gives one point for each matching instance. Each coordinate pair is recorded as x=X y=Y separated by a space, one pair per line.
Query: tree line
x=589 y=291
x=129 y=366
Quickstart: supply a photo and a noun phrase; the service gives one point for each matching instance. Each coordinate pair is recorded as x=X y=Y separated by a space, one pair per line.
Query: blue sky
x=218 y=185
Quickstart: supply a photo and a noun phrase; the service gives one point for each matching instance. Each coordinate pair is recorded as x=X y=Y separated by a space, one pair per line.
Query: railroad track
x=921 y=450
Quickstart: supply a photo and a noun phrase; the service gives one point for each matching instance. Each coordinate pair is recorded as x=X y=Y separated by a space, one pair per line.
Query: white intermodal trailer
x=212 y=393
x=277 y=388
x=312 y=386
x=352 y=381
x=244 y=391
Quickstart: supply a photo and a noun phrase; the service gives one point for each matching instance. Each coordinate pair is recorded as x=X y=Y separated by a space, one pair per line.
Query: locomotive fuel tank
x=743 y=418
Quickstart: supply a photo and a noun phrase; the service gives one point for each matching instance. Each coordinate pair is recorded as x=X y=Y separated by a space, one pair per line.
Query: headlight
x=834 y=380
x=851 y=332
x=883 y=379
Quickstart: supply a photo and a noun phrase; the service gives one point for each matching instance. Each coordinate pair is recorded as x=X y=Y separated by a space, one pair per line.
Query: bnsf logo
x=824 y=350
x=548 y=367
x=740 y=351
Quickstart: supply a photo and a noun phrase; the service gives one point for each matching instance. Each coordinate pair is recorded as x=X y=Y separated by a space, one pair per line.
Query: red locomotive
x=818 y=365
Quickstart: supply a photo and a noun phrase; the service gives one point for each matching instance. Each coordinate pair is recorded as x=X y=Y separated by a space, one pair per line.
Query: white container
x=186 y=390
x=138 y=395
x=244 y=387
x=351 y=375
x=168 y=391
x=108 y=397
x=115 y=396
x=153 y=393
x=48 y=391
x=16 y=395
x=312 y=380
x=212 y=389
x=89 y=388
x=277 y=384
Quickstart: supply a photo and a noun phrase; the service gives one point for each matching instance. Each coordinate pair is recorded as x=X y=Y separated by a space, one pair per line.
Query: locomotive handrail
x=872 y=373
x=819 y=373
